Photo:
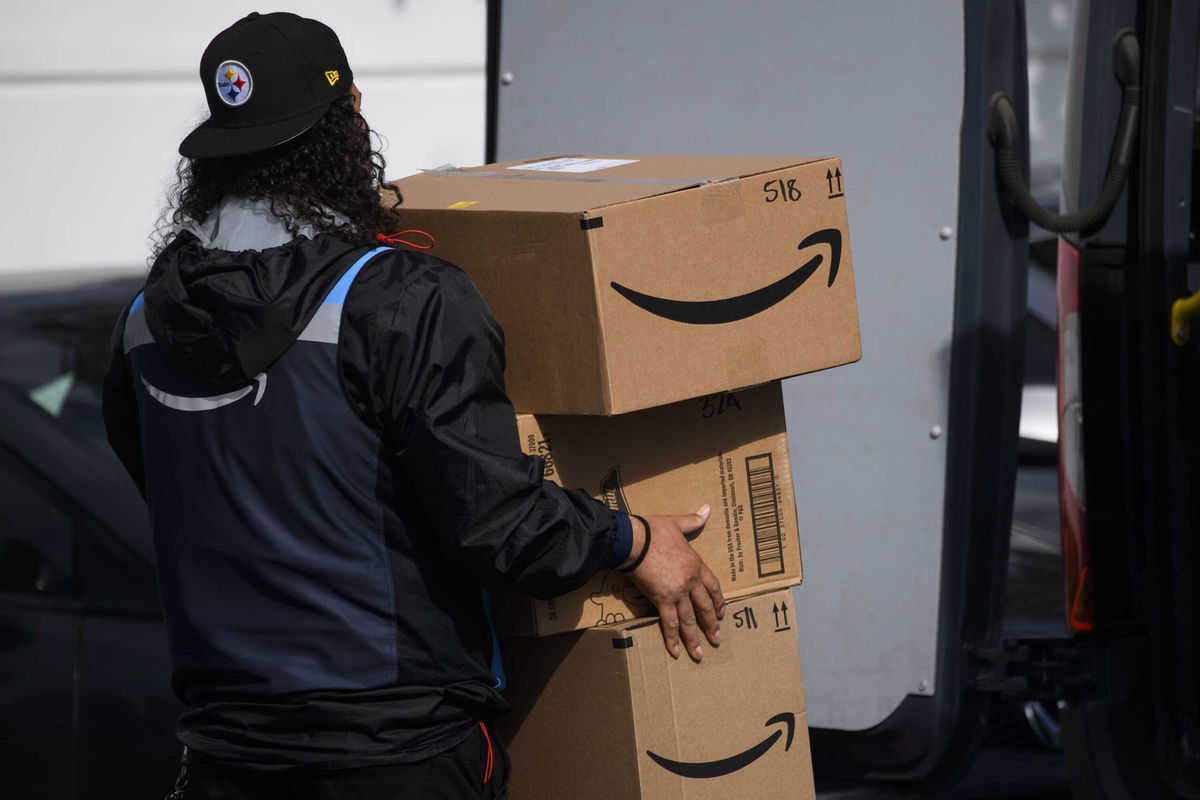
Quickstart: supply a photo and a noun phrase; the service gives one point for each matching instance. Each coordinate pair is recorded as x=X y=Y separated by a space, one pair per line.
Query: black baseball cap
x=267 y=78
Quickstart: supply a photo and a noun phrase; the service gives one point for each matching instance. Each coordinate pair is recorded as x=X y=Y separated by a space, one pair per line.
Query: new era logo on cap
x=332 y=76
x=233 y=83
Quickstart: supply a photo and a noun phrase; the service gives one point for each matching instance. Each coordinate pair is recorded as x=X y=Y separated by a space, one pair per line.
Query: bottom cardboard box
x=607 y=714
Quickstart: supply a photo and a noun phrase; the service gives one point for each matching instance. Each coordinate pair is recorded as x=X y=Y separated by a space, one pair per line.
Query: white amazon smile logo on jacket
x=181 y=403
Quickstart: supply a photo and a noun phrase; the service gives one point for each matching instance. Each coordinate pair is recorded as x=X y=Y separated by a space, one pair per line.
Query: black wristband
x=645 y=547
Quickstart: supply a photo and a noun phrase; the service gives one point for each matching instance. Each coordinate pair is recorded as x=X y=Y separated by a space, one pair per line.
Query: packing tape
x=573 y=177
x=719 y=203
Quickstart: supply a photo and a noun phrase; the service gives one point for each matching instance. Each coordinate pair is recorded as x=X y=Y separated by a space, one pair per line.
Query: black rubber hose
x=1005 y=136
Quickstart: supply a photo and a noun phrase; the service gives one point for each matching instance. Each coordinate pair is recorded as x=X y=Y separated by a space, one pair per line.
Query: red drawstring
x=395 y=238
x=490 y=763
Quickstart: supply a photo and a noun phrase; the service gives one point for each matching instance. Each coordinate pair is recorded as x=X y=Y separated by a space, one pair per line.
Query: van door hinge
x=1034 y=669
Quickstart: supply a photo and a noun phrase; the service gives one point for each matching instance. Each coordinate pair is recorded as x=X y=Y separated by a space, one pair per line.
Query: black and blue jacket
x=333 y=474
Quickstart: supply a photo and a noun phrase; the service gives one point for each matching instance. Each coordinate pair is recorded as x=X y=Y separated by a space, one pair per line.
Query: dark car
x=86 y=709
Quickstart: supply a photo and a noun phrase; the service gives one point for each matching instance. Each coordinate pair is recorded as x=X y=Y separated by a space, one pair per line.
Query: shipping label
x=575 y=164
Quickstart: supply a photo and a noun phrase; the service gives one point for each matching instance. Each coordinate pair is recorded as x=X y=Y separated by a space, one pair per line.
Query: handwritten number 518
x=780 y=190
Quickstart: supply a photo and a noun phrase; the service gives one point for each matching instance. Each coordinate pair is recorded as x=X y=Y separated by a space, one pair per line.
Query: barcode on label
x=764 y=515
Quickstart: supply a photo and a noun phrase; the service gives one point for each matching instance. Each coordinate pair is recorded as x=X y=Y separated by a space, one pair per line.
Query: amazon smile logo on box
x=726 y=766
x=732 y=309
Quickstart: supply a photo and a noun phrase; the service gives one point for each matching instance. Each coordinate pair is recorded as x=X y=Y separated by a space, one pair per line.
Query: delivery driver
x=331 y=464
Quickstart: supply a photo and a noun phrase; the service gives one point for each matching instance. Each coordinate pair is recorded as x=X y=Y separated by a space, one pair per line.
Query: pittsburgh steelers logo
x=233 y=83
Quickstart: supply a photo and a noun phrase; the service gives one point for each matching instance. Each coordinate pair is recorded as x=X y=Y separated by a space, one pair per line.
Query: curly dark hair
x=331 y=167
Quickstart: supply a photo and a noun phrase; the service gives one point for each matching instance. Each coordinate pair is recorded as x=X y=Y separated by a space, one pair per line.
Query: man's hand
x=673 y=577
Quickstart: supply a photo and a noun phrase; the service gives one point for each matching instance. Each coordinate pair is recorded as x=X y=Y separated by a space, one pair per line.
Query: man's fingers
x=686 y=593
x=706 y=613
x=689 y=629
x=713 y=586
x=691 y=523
x=669 y=621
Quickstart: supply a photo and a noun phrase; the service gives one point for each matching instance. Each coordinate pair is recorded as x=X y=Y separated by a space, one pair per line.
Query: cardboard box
x=628 y=283
x=728 y=450
x=606 y=714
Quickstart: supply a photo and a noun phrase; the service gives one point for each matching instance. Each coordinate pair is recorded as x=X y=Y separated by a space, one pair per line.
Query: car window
x=37 y=533
x=54 y=353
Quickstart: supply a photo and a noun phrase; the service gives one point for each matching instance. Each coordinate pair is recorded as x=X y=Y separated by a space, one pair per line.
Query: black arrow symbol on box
x=732 y=309
x=830 y=177
x=715 y=769
x=778 y=608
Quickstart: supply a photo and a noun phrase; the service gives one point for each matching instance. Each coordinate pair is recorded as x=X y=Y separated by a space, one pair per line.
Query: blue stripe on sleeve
x=337 y=294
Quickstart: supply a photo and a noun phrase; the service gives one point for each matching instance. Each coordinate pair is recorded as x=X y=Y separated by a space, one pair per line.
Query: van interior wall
x=97 y=97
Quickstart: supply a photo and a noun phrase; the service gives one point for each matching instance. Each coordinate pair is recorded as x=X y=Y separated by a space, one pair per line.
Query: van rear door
x=1134 y=488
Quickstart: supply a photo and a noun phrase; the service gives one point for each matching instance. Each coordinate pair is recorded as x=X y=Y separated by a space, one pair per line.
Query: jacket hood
x=229 y=296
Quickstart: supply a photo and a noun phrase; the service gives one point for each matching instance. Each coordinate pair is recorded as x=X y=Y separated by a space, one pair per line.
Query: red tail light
x=1071 y=486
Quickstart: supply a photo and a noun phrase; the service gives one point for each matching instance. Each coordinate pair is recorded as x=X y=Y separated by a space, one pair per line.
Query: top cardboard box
x=624 y=283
